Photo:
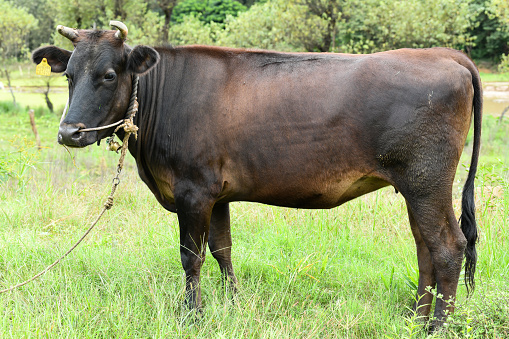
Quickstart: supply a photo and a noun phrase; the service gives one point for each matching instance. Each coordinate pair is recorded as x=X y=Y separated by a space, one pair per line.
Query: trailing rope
x=129 y=128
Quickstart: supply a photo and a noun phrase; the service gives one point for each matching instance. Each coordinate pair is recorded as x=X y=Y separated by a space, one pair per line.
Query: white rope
x=100 y=128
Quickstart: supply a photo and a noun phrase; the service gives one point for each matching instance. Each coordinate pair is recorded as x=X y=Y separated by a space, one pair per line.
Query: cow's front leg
x=194 y=210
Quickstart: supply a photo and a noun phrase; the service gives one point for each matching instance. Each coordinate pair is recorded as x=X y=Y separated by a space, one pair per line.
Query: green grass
x=494 y=77
x=35 y=100
x=27 y=87
x=23 y=74
x=340 y=273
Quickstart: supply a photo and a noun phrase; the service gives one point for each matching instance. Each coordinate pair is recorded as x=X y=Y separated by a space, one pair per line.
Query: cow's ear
x=142 y=59
x=57 y=57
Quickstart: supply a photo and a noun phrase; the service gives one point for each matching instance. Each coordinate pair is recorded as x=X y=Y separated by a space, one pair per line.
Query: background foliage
x=479 y=27
x=207 y=10
x=15 y=23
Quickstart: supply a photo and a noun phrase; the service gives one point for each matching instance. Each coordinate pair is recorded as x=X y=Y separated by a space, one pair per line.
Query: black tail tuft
x=469 y=228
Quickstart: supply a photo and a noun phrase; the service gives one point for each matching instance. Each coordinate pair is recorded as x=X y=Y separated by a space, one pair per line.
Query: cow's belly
x=307 y=192
x=327 y=198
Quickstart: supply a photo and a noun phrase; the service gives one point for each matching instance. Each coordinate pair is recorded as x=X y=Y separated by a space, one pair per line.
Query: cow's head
x=99 y=70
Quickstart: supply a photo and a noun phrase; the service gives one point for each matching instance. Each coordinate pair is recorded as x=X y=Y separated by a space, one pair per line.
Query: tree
x=149 y=30
x=44 y=12
x=500 y=8
x=207 y=10
x=15 y=23
x=166 y=6
x=88 y=14
x=249 y=3
x=488 y=30
x=82 y=14
x=143 y=23
x=49 y=81
x=330 y=10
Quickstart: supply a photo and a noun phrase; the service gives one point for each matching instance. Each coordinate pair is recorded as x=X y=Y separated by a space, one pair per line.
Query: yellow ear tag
x=43 y=68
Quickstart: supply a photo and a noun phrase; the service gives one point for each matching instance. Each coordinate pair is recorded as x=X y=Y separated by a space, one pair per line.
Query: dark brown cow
x=307 y=130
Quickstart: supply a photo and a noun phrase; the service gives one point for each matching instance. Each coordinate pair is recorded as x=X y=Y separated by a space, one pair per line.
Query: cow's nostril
x=77 y=135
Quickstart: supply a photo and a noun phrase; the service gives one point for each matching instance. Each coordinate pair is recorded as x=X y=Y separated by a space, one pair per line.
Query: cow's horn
x=69 y=33
x=122 y=29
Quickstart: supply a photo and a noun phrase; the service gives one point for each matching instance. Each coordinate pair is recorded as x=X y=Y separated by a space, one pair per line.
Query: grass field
x=495 y=76
x=349 y=272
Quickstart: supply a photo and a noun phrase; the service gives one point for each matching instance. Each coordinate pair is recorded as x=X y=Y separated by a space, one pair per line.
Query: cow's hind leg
x=220 y=244
x=422 y=305
x=438 y=229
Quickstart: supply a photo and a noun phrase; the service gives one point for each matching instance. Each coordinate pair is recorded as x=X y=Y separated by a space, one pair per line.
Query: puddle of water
x=496 y=97
x=493 y=107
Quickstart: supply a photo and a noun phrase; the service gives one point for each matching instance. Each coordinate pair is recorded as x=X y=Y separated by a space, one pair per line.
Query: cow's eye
x=110 y=76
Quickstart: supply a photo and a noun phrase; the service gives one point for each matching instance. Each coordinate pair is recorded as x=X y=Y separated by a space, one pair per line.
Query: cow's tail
x=467 y=219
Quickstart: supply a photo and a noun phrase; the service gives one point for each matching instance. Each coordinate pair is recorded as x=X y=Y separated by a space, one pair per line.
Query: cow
x=302 y=130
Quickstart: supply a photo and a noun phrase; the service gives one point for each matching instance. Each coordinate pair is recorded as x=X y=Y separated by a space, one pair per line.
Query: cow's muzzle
x=70 y=135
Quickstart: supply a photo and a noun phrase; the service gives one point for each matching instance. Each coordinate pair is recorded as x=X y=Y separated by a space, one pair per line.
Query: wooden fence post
x=34 y=129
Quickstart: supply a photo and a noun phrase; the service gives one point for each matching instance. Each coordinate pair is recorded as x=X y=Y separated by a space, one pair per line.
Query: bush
x=9 y=107
x=504 y=64
x=193 y=31
x=206 y=10
x=371 y=26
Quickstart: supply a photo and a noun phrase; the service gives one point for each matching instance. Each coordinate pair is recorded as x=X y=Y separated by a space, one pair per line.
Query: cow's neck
x=148 y=116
